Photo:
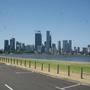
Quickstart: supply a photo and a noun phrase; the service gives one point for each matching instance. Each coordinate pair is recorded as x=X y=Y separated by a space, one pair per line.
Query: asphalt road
x=13 y=78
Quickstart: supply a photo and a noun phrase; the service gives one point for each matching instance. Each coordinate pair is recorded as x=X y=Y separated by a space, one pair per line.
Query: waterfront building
x=84 y=50
x=18 y=46
x=67 y=46
x=29 y=48
x=75 y=49
x=22 y=46
x=89 y=48
x=54 y=50
x=70 y=46
x=39 y=49
x=43 y=48
x=59 y=47
x=12 y=45
x=38 y=40
x=48 y=41
x=78 y=49
x=6 y=45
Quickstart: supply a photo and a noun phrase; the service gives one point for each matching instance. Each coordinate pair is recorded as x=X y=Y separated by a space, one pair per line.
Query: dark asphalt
x=13 y=78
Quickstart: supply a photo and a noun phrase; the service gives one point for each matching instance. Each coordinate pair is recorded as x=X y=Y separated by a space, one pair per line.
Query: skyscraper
x=48 y=41
x=12 y=44
x=59 y=47
x=38 y=40
x=67 y=46
x=6 y=45
x=70 y=45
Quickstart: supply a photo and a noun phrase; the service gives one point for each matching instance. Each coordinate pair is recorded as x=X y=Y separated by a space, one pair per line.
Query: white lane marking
x=67 y=86
x=8 y=87
x=23 y=72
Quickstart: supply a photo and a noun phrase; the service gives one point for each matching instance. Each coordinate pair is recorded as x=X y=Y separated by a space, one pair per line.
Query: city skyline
x=48 y=47
x=64 y=44
x=38 y=40
x=66 y=19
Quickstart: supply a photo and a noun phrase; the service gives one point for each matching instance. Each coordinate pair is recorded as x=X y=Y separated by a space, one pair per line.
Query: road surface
x=14 y=78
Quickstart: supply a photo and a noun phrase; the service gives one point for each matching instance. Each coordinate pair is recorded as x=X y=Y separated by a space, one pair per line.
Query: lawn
x=63 y=65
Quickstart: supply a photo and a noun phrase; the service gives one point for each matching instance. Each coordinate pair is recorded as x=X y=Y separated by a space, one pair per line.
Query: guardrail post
x=29 y=64
x=48 y=67
x=25 y=63
x=68 y=70
x=42 y=67
x=35 y=65
x=17 y=61
x=2 y=59
x=81 y=72
x=58 y=69
x=6 y=60
x=14 y=61
x=21 y=62
x=11 y=60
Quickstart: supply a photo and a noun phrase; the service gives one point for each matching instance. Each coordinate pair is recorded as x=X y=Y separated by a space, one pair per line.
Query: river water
x=50 y=57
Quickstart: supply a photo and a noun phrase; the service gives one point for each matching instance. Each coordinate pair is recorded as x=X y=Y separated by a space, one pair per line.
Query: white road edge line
x=67 y=86
x=8 y=87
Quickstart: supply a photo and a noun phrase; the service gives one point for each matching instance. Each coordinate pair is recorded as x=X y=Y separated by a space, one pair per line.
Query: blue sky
x=66 y=19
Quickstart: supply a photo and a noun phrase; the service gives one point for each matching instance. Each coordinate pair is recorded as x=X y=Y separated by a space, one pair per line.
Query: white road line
x=8 y=87
x=67 y=86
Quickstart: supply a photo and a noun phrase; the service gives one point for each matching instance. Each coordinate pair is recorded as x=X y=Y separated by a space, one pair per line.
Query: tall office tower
x=65 y=46
x=12 y=44
x=48 y=41
x=6 y=45
x=38 y=40
x=70 y=45
x=59 y=47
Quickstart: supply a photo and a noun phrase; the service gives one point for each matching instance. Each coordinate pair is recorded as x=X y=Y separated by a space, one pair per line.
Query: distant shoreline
x=51 y=57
